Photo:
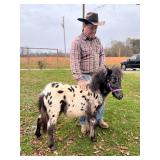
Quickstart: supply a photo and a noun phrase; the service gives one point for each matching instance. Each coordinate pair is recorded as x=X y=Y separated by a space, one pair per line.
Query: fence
x=42 y=58
x=50 y=58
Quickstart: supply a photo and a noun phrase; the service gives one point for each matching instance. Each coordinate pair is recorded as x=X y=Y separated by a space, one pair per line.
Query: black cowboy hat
x=91 y=18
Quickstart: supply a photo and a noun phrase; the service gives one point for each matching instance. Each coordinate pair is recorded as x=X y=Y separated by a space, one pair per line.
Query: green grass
x=122 y=138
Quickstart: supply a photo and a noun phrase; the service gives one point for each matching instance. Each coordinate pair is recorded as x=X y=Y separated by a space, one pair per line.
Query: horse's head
x=113 y=80
x=108 y=80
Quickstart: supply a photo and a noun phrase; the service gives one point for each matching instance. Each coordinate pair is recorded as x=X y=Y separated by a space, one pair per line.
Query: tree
x=134 y=45
x=127 y=48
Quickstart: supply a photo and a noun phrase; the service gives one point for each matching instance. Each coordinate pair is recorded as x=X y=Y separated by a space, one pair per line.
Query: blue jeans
x=100 y=111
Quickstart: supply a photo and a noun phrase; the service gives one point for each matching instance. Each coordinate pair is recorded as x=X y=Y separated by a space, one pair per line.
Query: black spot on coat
x=63 y=106
x=83 y=96
x=48 y=94
x=82 y=109
x=70 y=89
x=57 y=86
x=60 y=91
x=50 y=103
x=53 y=84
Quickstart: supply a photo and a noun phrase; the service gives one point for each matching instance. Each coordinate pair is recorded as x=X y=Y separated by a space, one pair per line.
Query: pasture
x=121 y=138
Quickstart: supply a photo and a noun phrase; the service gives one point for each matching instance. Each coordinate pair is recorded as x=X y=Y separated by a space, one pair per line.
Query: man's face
x=90 y=30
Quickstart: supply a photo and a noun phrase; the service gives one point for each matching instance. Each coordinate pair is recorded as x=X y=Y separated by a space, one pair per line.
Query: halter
x=113 y=90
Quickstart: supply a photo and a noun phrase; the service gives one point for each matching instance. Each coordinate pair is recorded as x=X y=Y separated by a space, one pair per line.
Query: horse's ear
x=109 y=72
x=105 y=66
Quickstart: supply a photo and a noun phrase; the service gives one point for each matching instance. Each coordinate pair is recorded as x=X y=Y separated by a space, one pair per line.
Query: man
x=87 y=57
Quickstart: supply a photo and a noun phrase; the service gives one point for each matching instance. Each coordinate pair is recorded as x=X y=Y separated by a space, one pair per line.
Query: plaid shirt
x=86 y=56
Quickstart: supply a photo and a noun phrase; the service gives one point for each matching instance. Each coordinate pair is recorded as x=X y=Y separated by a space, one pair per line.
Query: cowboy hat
x=91 y=18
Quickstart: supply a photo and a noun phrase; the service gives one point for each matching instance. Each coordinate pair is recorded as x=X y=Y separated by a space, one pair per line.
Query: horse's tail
x=43 y=111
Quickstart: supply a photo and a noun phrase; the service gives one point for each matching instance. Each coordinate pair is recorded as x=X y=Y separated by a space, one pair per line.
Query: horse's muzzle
x=118 y=95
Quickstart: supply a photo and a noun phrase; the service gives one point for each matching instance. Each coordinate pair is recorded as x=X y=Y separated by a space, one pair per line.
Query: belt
x=91 y=73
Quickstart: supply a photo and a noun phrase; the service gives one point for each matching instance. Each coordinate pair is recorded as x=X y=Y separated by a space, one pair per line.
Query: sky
x=41 y=24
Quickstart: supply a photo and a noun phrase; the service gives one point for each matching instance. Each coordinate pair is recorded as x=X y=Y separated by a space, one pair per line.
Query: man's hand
x=82 y=84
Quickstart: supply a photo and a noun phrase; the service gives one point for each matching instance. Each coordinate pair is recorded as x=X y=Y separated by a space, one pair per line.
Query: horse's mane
x=117 y=70
x=97 y=79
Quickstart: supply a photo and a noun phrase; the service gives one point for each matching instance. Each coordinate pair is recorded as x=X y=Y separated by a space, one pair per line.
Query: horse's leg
x=87 y=127
x=91 y=117
x=39 y=124
x=51 y=133
x=92 y=124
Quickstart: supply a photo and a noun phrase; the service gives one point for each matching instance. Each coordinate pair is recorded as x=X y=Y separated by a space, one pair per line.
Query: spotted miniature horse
x=74 y=102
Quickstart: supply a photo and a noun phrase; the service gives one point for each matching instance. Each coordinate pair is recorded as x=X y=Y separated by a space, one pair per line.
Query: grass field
x=122 y=138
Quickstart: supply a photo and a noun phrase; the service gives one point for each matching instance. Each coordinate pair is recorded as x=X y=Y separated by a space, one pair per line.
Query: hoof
x=38 y=135
x=93 y=139
x=52 y=148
